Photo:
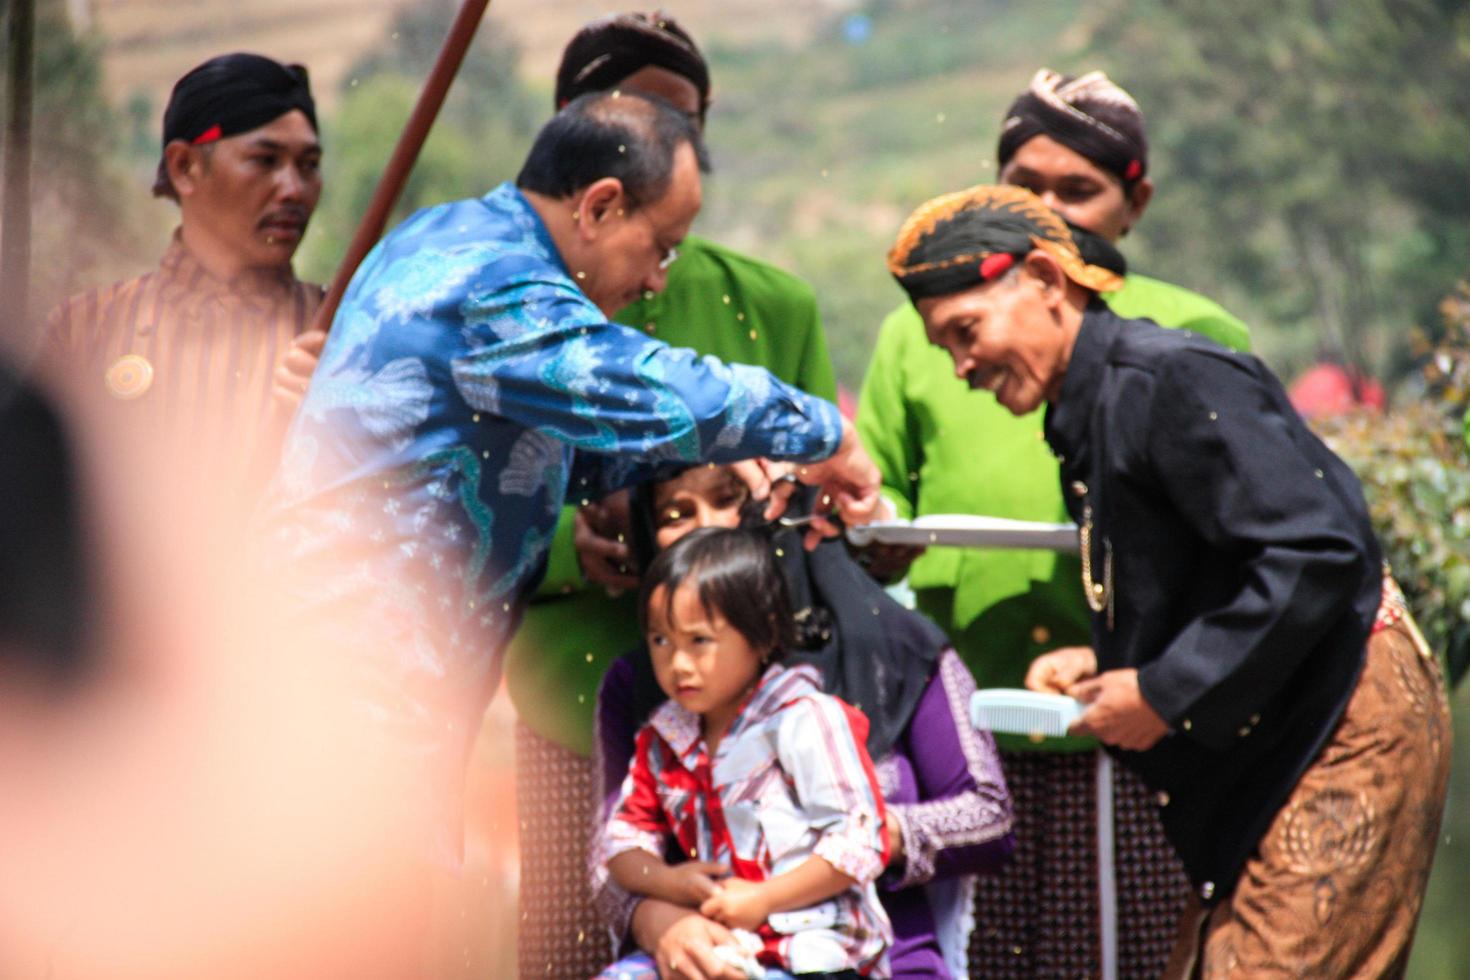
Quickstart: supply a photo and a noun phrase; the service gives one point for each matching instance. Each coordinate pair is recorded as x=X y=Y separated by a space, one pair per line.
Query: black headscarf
x=233 y=94
x=873 y=653
x=610 y=49
x=969 y=237
x=1088 y=114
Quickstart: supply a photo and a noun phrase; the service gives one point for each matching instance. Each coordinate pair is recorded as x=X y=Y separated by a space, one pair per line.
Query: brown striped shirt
x=186 y=359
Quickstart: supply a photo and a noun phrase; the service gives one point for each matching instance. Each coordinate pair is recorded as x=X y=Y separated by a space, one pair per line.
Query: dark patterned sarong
x=1039 y=917
x=560 y=935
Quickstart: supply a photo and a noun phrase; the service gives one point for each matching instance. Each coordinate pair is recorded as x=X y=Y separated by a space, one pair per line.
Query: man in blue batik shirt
x=472 y=382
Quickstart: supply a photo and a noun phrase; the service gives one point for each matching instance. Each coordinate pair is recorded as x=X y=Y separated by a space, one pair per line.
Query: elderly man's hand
x=600 y=536
x=1056 y=672
x=887 y=563
x=1117 y=713
x=294 y=371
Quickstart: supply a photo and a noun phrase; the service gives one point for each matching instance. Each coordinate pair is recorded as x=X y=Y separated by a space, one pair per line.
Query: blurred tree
x=479 y=139
x=1312 y=153
x=83 y=229
x=1415 y=469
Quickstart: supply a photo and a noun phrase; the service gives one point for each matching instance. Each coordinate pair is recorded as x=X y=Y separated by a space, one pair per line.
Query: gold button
x=1079 y=489
x=1040 y=635
x=1244 y=731
x=129 y=377
x=1163 y=798
x=1187 y=725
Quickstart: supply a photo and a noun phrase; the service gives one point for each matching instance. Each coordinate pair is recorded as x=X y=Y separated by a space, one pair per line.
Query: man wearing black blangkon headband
x=203 y=355
x=1248 y=656
x=1080 y=144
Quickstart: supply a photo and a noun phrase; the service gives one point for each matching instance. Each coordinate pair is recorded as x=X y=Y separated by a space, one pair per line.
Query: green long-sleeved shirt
x=717 y=302
x=944 y=449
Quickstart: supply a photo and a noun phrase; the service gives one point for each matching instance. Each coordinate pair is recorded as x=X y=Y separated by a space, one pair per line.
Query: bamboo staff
x=390 y=185
x=395 y=175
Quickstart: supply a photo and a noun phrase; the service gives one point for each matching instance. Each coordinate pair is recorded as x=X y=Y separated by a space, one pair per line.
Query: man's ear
x=1138 y=199
x=1046 y=274
x=600 y=202
x=183 y=166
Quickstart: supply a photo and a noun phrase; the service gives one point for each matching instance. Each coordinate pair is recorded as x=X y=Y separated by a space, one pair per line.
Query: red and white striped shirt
x=791 y=779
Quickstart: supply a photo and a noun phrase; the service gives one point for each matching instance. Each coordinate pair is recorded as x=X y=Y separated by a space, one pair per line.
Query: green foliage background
x=1310 y=157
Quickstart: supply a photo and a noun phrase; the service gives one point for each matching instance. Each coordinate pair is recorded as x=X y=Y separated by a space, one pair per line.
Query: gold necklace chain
x=1099 y=594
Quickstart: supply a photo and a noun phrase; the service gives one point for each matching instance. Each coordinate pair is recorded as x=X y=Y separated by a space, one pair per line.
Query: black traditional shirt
x=1231 y=561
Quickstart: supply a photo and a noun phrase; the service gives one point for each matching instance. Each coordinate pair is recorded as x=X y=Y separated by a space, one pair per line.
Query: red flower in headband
x=1134 y=171
x=208 y=136
x=994 y=266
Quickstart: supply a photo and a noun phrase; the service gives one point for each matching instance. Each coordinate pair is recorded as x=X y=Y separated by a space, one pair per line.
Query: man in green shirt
x=717 y=302
x=1079 y=144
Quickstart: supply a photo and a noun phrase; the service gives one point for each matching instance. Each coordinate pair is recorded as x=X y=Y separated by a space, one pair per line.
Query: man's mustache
x=289 y=214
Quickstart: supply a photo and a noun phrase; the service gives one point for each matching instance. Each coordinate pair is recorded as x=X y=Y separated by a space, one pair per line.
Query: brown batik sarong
x=1336 y=886
x=560 y=934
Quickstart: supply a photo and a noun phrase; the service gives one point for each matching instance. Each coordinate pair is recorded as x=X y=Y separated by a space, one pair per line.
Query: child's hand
x=738 y=904
x=692 y=882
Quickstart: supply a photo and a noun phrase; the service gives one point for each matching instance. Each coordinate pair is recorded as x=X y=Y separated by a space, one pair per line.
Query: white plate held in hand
x=967 y=531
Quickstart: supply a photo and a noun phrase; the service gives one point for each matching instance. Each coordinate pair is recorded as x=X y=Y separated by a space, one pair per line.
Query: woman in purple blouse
x=948 y=813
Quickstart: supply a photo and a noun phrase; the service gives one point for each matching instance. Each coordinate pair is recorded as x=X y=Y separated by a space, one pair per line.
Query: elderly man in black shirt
x=1251 y=659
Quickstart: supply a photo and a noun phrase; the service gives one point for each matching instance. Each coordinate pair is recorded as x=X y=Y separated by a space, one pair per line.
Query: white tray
x=967 y=531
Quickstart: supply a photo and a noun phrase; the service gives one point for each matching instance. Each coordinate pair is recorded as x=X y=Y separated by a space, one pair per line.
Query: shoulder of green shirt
x=901 y=321
x=1168 y=305
x=705 y=269
x=747 y=269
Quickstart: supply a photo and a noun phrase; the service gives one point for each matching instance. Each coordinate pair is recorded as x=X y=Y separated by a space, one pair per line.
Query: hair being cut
x=735 y=573
x=610 y=134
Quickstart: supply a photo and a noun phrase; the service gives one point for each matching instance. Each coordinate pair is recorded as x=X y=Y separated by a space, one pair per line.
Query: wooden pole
x=395 y=175
x=15 y=247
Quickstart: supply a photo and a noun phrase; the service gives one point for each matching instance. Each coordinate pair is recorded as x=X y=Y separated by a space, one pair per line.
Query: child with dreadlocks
x=749 y=771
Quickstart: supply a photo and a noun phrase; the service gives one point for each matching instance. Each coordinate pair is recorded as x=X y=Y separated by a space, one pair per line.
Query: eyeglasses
x=670 y=254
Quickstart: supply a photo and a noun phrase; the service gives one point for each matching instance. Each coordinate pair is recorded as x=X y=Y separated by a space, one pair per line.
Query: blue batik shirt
x=467 y=389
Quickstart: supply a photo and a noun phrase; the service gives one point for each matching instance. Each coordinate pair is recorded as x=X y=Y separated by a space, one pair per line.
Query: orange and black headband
x=974 y=236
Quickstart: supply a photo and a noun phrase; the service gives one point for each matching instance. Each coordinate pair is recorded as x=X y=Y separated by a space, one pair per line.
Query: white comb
x=1019 y=712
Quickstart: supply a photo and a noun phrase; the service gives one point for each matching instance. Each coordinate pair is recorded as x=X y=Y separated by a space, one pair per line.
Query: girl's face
x=705 y=496
x=706 y=665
